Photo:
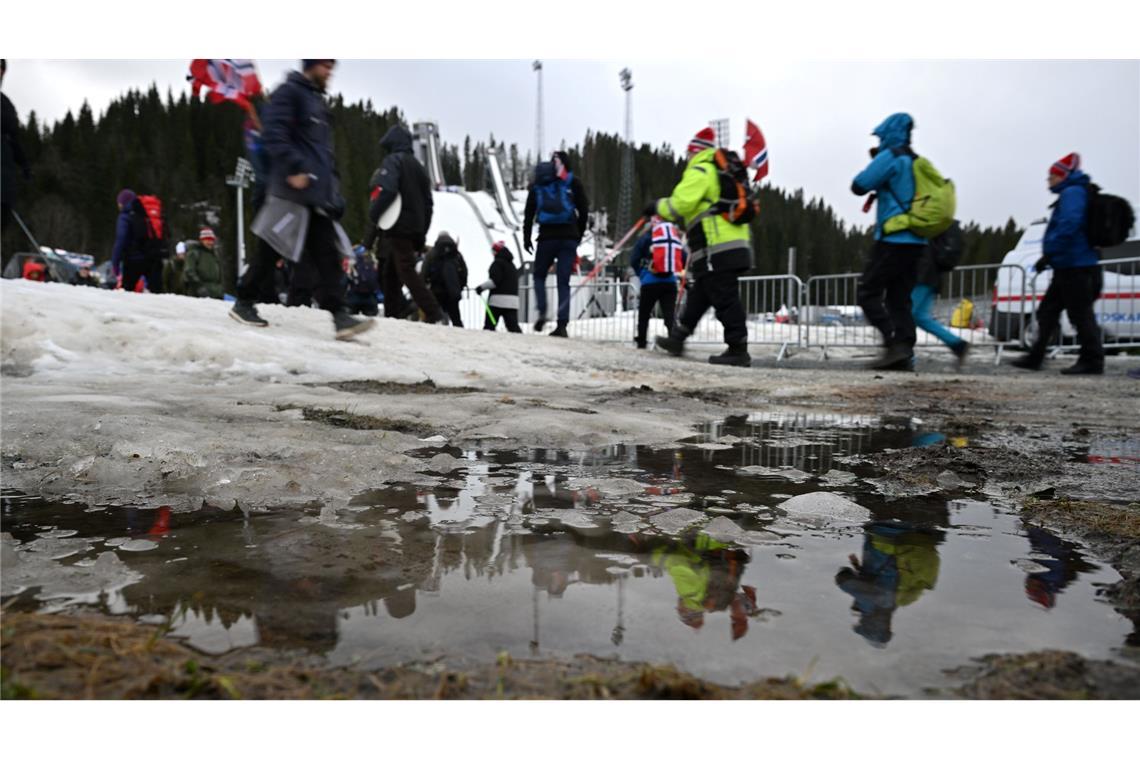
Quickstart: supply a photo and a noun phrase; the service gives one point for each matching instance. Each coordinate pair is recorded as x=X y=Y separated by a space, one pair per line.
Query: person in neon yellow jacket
x=706 y=574
x=719 y=252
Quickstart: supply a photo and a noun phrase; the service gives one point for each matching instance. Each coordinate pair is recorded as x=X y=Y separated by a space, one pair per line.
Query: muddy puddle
x=759 y=547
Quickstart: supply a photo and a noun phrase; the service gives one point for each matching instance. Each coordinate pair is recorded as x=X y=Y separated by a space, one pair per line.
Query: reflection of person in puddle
x=706 y=574
x=1064 y=567
x=899 y=563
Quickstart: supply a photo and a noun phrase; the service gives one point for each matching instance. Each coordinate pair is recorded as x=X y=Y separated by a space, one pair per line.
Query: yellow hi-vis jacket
x=715 y=244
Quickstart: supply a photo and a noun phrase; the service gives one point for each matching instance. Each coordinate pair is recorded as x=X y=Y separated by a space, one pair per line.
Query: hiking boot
x=442 y=319
x=902 y=365
x=1029 y=361
x=734 y=356
x=539 y=324
x=674 y=342
x=246 y=313
x=893 y=356
x=347 y=326
x=560 y=331
x=1084 y=368
x=640 y=343
x=960 y=351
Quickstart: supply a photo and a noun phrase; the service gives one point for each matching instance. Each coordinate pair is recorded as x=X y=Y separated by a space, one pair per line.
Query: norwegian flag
x=233 y=79
x=756 y=150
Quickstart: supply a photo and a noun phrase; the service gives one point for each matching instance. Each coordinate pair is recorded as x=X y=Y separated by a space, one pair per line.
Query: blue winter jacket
x=1066 y=243
x=890 y=177
x=642 y=257
x=298 y=136
x=124 y=243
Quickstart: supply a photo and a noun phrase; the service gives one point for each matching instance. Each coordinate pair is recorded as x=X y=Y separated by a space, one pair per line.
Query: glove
x=650 y=210
x=478 y=290
x=1041 y=265
x=528 y=246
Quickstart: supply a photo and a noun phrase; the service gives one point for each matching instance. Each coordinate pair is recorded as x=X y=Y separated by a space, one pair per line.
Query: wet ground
x=883 y=551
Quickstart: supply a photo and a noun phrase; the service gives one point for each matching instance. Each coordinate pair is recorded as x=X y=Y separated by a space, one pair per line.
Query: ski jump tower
x=625 y=199
x=426 y=145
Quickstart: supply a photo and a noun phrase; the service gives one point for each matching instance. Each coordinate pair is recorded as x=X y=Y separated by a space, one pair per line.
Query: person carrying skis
x=503 y=282
x=658 y=256
x=302 y=169
x=1077 y=279
x=558 y=201
x=884 y=290
x=401 y=174
x=446 y=275
x=202 y=277
x=720 y=251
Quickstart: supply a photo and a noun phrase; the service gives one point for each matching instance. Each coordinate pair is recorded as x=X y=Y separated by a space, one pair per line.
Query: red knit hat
x=702 y=140
x=1065 y=166
x=206 y=234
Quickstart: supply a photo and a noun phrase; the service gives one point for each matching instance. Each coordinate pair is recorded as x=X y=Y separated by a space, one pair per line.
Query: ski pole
x=27 y=232
x=490 y=314
x=608 y=257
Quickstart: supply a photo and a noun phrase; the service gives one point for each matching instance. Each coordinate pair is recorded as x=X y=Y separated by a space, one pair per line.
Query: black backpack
x=736 y=204
x=948 y=248
x=1109 y=219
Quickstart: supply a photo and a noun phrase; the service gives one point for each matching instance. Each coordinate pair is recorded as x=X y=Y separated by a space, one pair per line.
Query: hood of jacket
x=895 y=131
x=1076 y=179
x=397 y=140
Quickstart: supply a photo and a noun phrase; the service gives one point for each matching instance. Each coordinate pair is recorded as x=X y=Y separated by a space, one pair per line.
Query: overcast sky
x=992 y=126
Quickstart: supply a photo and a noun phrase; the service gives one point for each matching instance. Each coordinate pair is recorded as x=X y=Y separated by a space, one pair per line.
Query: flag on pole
x=755 y=150
x=233 y=79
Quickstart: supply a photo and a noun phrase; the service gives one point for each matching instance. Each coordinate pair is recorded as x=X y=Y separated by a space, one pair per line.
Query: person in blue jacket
x=1077 y=278
x=657 y=257
x=889 y=276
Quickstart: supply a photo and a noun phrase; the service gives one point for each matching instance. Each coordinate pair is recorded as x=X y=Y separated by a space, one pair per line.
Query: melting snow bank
x=114 y=397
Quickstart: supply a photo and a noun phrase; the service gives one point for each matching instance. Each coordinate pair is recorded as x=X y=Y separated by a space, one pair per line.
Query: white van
x=1018 y=290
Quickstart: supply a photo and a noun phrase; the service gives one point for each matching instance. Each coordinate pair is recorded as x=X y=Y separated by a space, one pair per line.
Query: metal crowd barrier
x=1117 y=311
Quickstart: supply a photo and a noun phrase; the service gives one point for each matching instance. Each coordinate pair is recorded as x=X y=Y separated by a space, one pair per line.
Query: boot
x=734 y=356
x=246 y=313
x=539 y=324
x=960 y=350
x=674 y=343
x=1083 y=367
x=560 y=331
x=893 y=357
x=641 y=343
x=347 y=326
x=1031 y=360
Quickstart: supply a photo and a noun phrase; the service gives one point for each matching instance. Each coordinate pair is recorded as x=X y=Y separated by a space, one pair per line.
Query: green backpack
x=931 y=211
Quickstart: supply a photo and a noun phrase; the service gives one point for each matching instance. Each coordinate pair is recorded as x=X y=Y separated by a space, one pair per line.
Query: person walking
x=12 y=153
x=446 y=275
x=132 y=259
x=258 y=283
x=923 y=297
x=557 y=200
x=401 y=175
x=503 y=284
x=1077 y=279
x=202 y=277
x=720 y=251
x=658 y=256
x=298 y=137
x=884 y=290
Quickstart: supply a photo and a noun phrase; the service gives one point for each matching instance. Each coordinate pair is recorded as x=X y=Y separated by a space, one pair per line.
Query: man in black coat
x=401 y=174
x=302 y=169
x=558 y=200
x=13 y=154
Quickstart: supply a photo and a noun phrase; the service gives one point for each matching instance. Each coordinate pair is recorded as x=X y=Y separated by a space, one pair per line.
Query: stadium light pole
x=241 y=178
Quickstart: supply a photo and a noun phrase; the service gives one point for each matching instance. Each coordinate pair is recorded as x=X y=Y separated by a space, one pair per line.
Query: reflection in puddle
x=677 y=554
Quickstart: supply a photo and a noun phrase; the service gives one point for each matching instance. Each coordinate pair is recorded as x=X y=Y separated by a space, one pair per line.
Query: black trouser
x=151 y=269
x=258 y=284
x=319 y=271
x=664 y=293
x=450 y=307
x=509 y=317
x=884 y=291
x=1075 y=291
x=400 y=269
x=721 y=291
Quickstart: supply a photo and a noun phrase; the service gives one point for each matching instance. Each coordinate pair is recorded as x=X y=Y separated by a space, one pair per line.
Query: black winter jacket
x=571 y=231
x=402 y=173
x=298 y=137
x=928 y=272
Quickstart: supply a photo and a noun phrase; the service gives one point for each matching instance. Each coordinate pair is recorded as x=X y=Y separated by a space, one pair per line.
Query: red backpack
x=667 y=247
x=150 y=227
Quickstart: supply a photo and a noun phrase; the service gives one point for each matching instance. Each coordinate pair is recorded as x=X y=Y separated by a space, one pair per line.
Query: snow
x=120 y=398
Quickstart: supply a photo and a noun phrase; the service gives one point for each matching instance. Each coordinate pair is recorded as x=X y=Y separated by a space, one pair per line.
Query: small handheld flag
x=233 y=79
x=755 y=150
